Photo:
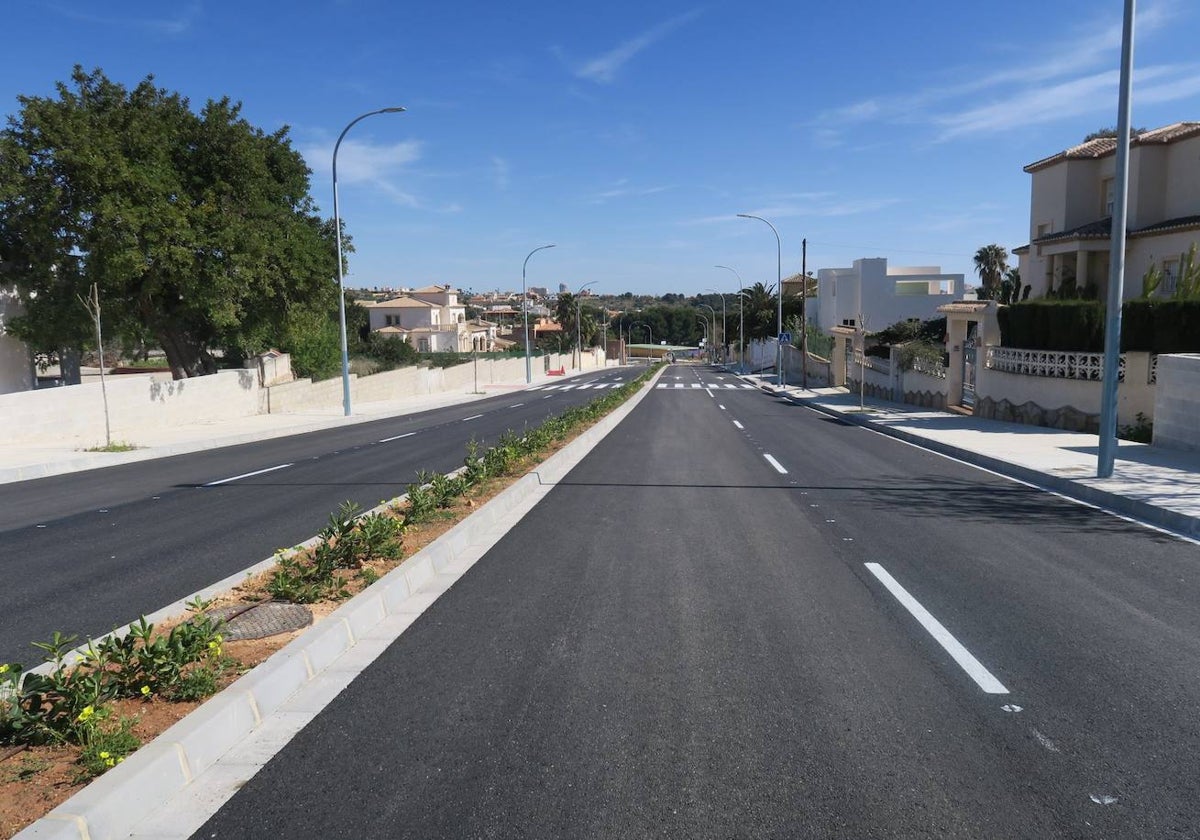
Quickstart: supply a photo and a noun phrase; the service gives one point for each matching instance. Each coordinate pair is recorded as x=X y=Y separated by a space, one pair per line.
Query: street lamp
x=778 y=288
x=578 y=329
x=704 y=323
x=712 y=353
x=742 y=297
x=647 y=326
x=724 y=340
x=337 y=232
x=525 y=310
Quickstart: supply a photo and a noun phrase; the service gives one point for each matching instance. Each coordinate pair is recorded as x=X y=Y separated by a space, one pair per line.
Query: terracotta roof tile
x=1104 y=146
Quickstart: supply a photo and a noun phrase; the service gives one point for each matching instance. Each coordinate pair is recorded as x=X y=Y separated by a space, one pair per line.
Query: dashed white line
x=246 y=475
x=517 y=405
x=779 y=468
x=739 y=425
x=472 y=417
x=397 y=437
x=720 y=406
x=975 y=670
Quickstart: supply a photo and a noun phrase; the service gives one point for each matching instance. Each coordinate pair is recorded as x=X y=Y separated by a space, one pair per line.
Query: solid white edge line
x=739 y=425
x=975 y=670
x=397 y=437
x=1117 y=514
x=246 y=475
x=472 y=417
x=778 y=466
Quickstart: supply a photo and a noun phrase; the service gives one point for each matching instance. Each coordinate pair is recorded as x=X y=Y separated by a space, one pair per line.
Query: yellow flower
x=145 y=691
x=110 y=763
x=3 y=669
x=121 y=759
x=86 y=714
x=105 y=755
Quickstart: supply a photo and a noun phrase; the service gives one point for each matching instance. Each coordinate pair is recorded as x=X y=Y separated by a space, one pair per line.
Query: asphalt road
x=86 y=552
x=694 y=636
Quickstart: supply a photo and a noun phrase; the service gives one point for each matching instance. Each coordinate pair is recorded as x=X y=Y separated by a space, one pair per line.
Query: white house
x=16 y=369
x=883 y=294
x=1070 y=217
x=433 y=320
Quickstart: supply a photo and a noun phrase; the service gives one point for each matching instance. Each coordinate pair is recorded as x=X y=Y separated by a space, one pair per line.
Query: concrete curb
x=115 y=804
x=1160 y=517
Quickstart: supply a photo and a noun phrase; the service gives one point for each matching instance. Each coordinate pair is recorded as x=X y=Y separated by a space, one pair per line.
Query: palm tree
x=761 y=312
x=991 y=261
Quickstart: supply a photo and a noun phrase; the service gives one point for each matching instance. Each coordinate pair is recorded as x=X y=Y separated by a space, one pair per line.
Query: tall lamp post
x=578 y=328
x=742 y=296
x=713 y=353
x=337 y=233
x=704 y=323
x=778 y=289
x=525 y=310
x=724 y=340
x=647 y=326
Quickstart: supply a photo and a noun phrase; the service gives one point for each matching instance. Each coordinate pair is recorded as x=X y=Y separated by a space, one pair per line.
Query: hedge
x=1147 y=325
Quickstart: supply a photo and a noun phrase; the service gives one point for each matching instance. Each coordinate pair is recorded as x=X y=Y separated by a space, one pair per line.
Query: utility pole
x=804 y=314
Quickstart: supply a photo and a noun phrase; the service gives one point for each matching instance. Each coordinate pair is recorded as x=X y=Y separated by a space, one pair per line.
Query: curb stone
x=126 y=798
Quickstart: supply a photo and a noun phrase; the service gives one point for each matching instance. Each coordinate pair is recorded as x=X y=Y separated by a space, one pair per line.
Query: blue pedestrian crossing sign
x=785 y=338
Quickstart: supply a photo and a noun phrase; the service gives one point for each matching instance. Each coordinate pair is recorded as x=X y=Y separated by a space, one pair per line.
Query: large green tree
x=197 y=227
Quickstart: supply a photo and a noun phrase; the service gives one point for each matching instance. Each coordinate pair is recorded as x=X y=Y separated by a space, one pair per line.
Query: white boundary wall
x=74 y=415
x=1177 y=404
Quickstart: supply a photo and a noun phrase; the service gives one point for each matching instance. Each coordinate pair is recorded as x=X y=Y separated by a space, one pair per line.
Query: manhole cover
x=261 y=620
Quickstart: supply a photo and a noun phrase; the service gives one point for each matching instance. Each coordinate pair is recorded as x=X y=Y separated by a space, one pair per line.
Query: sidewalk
x=1154 y=485
x=22 y=461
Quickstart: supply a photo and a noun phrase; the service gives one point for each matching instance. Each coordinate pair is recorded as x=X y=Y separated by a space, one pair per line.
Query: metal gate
x=968 y=366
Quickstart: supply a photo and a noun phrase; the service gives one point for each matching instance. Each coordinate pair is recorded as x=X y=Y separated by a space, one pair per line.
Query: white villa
x=882 y=294
x=1070 y=217
x=433 y=320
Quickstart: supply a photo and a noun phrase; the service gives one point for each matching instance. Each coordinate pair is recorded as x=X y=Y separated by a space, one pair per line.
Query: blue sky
x=630 y=134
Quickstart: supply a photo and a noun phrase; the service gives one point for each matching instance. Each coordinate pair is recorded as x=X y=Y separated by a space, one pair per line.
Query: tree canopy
x=197 y=227
x=991 y=261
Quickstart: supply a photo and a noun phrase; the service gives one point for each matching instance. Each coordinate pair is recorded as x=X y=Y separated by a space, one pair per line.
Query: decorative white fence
x=1055 y=364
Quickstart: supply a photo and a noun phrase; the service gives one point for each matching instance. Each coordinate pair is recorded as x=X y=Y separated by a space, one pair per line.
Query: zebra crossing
x=691 y=386
x=713 y=386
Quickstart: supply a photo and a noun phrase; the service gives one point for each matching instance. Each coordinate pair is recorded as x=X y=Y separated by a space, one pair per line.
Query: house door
x=968 y=366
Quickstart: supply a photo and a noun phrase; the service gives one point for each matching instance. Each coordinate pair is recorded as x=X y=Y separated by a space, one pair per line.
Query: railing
x=1052 y=363
x=929 y=367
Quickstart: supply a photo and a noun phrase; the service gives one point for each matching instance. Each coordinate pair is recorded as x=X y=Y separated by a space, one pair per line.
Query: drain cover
x=261 y=620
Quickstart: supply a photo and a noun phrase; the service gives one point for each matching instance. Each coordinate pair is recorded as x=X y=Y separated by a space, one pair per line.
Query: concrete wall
x=881 y=293
x=16 y=372
x=75 y=414
x=1177 y=404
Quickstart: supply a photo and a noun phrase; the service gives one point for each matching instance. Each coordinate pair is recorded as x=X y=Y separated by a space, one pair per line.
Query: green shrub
x=1053 y=325
x=1161 y=326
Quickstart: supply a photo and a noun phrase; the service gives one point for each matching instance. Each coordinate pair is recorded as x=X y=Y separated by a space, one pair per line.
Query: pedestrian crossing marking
x=708 y=387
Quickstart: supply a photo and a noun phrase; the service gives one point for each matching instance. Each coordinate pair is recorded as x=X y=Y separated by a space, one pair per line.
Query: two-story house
x=881 y=294
x=431 y=318
x=1070 y=219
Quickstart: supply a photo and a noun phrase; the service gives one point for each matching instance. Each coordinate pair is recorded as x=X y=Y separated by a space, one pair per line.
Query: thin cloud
x=813 y=205
x=622 y=190
x=374 y=164
x=176 y=25
x=1072 y=78
x=604 y=68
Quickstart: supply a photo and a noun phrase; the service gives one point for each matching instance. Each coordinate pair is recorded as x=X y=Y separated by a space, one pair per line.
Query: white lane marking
x=516 y=405
x=586 y=385
x=1044 y=741
x=975 y=670
x=778 y=466
x=710 y=393
x=720 y=406
x=397 y=437
x=472 y=417
x=736 y=423
x=246 y=475
x=548 y=396
x=680 y=385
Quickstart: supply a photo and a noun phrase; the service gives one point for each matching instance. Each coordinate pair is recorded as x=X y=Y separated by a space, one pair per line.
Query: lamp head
x=396 y=110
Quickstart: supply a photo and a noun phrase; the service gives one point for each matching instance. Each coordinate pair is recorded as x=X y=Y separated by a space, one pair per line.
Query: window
x=1170 y=278
x=1106 y=197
